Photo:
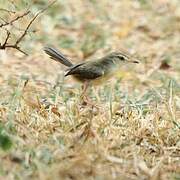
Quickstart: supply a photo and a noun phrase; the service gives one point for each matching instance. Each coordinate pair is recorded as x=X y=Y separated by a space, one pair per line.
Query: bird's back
x=93 y=69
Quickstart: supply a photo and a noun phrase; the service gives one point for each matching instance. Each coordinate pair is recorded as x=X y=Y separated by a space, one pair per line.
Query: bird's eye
x=122 y=58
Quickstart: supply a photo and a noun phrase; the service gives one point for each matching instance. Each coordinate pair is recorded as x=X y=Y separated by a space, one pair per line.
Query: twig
x=16 y=44
x=15 y=47
x=6 y=40
x=22 y=29
x=6 y=45
x=6 y=10
x=19 y=29
x=15 y=19
x=3 y=20
x=32 y=20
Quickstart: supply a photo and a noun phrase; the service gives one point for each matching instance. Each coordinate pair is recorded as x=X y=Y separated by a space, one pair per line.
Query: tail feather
x=57 y=56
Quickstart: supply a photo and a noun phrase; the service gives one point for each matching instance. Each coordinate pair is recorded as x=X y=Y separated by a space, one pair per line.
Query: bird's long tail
x=57 y=56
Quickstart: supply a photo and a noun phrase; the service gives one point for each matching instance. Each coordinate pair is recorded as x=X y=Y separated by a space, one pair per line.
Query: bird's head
x=122 y=57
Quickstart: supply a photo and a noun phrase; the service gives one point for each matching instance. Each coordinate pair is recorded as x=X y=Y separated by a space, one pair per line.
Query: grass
x=50 y=134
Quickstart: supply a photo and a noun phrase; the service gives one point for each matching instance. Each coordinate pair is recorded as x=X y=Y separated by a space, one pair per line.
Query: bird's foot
x=87 y=101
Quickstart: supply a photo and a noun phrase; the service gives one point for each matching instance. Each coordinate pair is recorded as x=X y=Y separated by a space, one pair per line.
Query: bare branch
x=15 y=47
x=15 y=19
x=16 y=44
x=22 y=29
x=32 y=20
x=19 y=29
x=3 y=46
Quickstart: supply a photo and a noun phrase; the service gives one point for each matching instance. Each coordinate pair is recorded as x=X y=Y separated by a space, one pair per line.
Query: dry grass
x=136 y=133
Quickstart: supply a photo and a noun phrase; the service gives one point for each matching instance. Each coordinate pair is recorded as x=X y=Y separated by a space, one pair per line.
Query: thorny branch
x=26 y=30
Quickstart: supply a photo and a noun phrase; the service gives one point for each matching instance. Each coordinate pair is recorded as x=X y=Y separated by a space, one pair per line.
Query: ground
x=52 y=134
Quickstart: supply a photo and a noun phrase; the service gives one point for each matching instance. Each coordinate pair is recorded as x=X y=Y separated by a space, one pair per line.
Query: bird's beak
x=134 y=61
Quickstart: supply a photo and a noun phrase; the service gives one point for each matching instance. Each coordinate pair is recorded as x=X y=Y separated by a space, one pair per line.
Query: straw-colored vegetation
x=46 y=132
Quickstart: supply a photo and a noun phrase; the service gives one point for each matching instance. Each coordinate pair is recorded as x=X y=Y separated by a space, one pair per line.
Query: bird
x=91 y=72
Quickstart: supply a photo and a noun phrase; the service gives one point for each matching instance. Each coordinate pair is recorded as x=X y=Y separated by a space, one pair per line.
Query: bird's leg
x=84 y=89
x=85 y=97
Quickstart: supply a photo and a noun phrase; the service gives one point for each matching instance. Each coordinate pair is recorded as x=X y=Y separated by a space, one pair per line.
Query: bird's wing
x=85 y=71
